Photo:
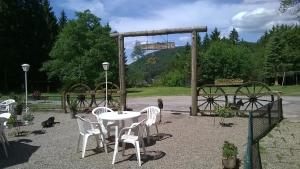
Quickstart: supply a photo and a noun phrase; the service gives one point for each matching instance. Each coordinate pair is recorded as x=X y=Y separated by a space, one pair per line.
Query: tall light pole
x=25 y=68
x=105 y=67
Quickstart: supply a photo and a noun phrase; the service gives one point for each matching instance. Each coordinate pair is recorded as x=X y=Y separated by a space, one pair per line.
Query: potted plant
x=19 y=105
x=74 y=107
x=28 y=118
x=230 y=152
x=224 y=112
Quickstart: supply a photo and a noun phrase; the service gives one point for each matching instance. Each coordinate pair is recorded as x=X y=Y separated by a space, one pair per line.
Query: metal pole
x=26 y=91
x=106 y=88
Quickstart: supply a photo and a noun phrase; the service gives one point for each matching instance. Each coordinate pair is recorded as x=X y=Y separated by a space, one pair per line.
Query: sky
x=251 y=18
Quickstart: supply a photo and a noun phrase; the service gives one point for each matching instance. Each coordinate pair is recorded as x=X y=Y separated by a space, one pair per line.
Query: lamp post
x=105 y=67
x=25 y=68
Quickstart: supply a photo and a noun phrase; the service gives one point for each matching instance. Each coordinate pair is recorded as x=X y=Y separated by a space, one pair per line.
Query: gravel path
x=190 y=142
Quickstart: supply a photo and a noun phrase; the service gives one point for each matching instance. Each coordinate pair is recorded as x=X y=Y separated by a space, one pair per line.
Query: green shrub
x=229 y=149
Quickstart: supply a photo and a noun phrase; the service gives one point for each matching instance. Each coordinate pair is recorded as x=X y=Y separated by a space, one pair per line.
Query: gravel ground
x=281 y=147
x=185 y=141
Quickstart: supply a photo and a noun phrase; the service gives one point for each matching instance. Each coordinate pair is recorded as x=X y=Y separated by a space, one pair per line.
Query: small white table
x=115 y=116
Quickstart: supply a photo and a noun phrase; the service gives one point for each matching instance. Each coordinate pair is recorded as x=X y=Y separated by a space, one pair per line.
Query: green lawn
x=184 y=91
x=177 y=91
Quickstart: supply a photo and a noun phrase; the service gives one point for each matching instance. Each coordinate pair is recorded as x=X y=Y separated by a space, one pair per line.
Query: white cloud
x=260 y=19
x=95 y=6
x=248 y=16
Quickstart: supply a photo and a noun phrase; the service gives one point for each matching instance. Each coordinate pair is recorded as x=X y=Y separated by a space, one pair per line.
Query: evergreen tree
x=291 y=6
x=274 y=59
x=206 y=41
x=234 y=36
x=215 y=35
x=138 y=52
x=27 y=32
x=62 y=20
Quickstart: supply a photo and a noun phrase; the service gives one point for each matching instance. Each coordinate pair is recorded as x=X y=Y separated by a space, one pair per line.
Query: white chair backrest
x=133 y=126
x=7 y=104
x=98 y=110
x=152 y=112
x=3 y=119
x=84 y=125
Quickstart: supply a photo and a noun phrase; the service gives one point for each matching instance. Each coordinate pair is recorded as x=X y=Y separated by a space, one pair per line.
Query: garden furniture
x=152 y=113
x=127 y=136
x=3 y=119
x=86 y=129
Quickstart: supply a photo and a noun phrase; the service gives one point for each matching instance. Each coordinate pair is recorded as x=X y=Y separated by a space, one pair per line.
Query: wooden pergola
x=193 y=30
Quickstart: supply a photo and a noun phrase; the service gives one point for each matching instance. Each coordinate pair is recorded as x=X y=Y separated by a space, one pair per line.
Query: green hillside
x=152 y=65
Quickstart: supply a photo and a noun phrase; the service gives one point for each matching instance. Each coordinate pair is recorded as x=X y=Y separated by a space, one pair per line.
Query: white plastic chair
x=7 y=105
x=106 y=124
x=152 y=113
x=3 y=119
x=86 y=129
x=129 y=137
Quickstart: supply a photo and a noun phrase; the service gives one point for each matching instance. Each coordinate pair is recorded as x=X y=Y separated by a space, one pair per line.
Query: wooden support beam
x=194 y=74
x=160 y=32
x=122 y=72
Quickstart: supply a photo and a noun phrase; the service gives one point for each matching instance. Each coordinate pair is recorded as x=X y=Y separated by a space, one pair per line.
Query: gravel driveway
x=183 y=142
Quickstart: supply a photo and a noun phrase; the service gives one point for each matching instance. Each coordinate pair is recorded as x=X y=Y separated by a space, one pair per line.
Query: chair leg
x=97 y=140
x=84 y=141
x=138 y=153
x=103 y=142
x=143 y=145
x=4 y=136
x=156 y=128
x=115 y=151
x=78 y=142
x=148 y=133
x=3 y=145
x=123 y=148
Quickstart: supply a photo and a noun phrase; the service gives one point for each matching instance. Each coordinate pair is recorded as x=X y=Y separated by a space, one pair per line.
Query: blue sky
x=251 y=18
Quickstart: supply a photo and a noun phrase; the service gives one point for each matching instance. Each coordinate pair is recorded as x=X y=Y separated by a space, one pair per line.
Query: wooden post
x=194 y=74
x=122 y=72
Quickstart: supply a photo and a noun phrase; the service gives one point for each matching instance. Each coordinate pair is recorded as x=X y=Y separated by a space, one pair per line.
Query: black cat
x=49 y=122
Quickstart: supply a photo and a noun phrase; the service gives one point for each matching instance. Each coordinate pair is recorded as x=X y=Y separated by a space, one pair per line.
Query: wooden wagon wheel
x=252 y=95
x=210 y=98
x=80 y=94
x=113 y=95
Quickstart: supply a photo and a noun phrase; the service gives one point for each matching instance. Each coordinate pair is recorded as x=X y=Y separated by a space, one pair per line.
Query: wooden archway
x=194 y=32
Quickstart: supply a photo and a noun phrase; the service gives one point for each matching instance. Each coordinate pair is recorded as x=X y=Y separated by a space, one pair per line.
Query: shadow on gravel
x=18 y=152
x=38 y=132
x=149 y=156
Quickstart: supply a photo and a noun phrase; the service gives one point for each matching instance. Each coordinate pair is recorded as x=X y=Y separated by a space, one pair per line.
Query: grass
x=177 y=91
x=185 y=91
x=158 y=91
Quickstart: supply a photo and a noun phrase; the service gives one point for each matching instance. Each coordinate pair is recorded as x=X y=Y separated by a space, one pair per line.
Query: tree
x=274 y=58
x=224 y=60
x=62 y=21
x=138 y=52
x=206 y=41
x=291 y=6
x=234 y=36
x=79 y=51
x=27 y=32
x=215 y=35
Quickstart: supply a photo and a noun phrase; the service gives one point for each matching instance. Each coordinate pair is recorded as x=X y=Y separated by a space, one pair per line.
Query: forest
x=63 y=51
x=274 y=54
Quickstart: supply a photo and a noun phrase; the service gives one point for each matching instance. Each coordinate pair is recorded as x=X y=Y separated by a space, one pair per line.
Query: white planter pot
x=229 y=162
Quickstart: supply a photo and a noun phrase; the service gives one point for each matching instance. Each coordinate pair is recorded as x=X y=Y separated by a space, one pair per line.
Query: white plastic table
x=115 y=116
